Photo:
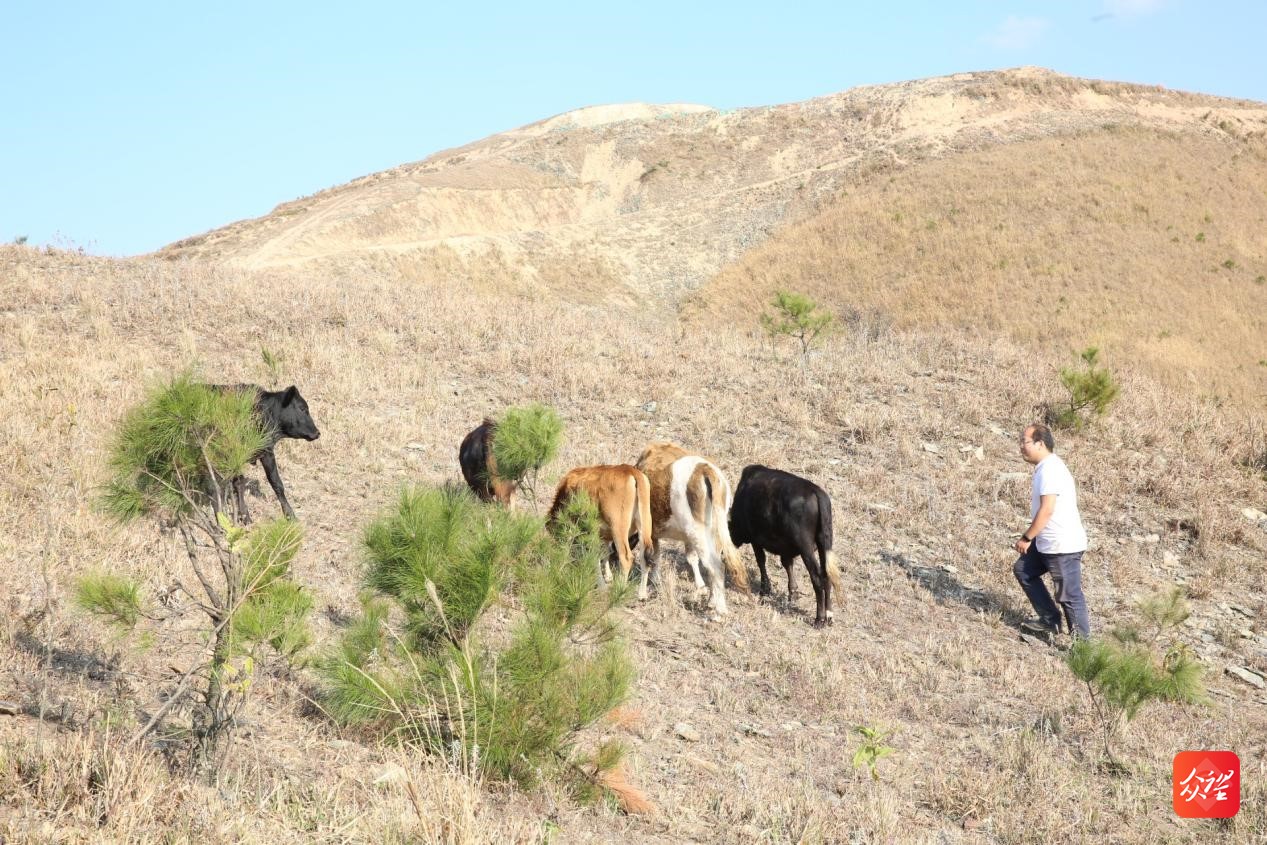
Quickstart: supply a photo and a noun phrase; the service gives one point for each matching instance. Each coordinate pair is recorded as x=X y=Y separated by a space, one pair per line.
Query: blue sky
x=126 y=126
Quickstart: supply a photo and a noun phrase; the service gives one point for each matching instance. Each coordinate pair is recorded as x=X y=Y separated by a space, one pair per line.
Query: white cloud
x=1018 y=33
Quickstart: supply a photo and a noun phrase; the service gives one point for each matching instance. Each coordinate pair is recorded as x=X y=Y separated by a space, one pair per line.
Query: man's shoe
x=1039 y=628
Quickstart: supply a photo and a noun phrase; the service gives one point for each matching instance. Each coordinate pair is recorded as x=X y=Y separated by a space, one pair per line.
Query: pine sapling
x=172 y=460
x=1091 y=391
x=427 y=665
x=526 y=439
x=797 y=316
x=1125 y=671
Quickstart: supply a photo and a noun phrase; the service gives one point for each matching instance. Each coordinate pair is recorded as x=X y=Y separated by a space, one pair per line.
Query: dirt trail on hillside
x=647 y=202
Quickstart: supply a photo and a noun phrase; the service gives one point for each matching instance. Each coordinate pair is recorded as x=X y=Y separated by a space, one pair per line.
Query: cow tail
x=824 y=538
x=721 y=535
x=643 y=489
x=560 y=501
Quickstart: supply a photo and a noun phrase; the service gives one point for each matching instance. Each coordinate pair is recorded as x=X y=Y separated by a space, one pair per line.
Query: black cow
x=281 y=413
x=475 y=456
x=787 y=515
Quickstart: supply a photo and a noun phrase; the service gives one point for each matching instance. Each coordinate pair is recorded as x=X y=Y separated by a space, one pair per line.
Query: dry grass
x=85 y=787
x=994 y=742
x=645 y=210
x=1145 y=243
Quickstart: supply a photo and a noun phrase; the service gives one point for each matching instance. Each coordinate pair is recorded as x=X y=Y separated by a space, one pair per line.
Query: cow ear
x=289 y=395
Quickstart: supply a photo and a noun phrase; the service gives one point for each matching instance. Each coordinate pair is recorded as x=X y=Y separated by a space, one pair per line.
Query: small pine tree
x=492 y=700
x=796 y=315
x=171 y=460
x=526 y=439
x=1124 y=672
x=1091 y=391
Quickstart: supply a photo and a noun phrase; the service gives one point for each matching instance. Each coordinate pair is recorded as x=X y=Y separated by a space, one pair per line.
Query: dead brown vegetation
x=1147 y=244
x=639 y=204
x=888 y=422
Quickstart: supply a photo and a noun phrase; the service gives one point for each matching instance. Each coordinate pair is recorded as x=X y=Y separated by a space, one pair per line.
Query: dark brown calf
x=479 y=468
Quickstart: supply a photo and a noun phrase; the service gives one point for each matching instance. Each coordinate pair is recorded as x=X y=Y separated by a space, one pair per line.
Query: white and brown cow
x=623 y=496
x=690 y=498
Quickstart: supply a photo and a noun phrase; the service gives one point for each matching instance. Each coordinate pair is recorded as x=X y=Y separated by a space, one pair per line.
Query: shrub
x=796 y=315
x=171 y=460
x=110 y=595
x=872 y=749
x=173 y=453
x=1124 y=672
x=526 y=439
x=1091 y=391
x=425 y=664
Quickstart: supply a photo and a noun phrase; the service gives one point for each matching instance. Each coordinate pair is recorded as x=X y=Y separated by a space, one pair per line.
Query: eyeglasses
x=1029 y=442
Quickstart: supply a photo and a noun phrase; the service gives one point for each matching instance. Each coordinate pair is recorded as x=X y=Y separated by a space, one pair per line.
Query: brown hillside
x=930 y=213
x=645 y=203
x=913 y=433
x=1150 y=243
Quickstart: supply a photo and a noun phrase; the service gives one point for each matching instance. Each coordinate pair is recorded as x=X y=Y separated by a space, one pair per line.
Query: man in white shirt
x=1054 y=541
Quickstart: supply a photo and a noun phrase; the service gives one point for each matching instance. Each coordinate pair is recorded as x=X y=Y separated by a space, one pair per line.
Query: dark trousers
x=1066 y=577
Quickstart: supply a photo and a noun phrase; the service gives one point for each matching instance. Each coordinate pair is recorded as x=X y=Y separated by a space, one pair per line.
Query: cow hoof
x=643 y=595
x=822 y=623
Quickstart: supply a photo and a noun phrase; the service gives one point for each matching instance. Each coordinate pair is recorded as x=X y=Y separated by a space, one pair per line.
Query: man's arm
x=1046 y=506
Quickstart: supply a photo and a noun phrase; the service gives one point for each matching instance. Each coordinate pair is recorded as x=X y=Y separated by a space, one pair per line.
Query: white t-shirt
x=1063 y=533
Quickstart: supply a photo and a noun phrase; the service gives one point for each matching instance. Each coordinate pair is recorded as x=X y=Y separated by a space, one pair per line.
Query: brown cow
x=623 y=496
x=690 y=498
x=479 y=468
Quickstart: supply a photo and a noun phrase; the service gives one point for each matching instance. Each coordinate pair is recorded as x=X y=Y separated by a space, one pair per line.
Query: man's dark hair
x=1042 y=433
